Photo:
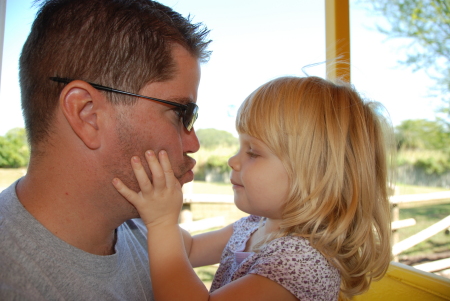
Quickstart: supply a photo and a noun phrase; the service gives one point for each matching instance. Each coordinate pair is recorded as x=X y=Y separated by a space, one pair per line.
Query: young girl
x=312 y=172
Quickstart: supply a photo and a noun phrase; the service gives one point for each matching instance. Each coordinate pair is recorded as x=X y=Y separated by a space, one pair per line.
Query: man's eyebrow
x=181 y=100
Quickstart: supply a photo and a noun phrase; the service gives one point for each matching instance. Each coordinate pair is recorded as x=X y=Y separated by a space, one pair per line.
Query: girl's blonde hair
x=333 y=146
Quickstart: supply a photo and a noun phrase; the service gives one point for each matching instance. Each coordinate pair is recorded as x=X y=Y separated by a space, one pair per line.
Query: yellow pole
x=337 y=19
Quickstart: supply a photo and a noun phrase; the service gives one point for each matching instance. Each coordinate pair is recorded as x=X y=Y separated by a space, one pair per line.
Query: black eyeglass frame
x=190 y=107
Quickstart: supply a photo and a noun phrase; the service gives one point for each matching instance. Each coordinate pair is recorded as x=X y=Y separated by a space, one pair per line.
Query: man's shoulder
x=8 y=207
x=36 y=263
x=19 y=270
x=7 y=194
x=14 y=218
x=57 y=270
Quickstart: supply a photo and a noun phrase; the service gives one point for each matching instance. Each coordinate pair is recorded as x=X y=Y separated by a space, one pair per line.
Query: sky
x=253 y=42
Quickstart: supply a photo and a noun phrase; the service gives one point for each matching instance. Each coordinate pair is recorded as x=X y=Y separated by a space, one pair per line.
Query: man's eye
x=178 y=112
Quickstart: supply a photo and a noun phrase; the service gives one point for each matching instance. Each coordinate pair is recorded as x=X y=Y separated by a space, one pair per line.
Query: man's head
x=125 y=44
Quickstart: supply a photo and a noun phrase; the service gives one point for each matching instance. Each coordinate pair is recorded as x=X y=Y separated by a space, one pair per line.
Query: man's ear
x=81 y=105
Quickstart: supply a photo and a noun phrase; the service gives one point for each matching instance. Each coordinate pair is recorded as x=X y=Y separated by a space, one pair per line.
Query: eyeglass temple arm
x=108 y=89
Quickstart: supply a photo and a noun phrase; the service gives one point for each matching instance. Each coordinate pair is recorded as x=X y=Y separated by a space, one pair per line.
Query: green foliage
x=412 y=156
x=424 y=144
x=423 y=134
x=212 y=138
x=427 y=24
x=14 y=151
x=213 y=159
x=216 y=147
x=219 y=163
x=433 y=165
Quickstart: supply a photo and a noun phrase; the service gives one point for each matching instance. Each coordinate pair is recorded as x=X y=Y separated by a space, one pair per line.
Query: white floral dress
x=289 y=261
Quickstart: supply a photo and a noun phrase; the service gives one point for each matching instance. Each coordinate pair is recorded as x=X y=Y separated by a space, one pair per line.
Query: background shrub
x=14 y=150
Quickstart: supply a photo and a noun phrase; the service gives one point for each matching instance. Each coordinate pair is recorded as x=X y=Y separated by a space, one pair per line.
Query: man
x=65 y=232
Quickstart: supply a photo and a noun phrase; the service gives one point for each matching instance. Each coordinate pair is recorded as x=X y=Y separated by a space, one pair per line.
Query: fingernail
x=135 y=159
x=149 y=153
x=163 y=152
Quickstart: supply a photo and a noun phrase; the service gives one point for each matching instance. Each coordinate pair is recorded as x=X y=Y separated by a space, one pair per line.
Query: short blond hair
x=334 y=148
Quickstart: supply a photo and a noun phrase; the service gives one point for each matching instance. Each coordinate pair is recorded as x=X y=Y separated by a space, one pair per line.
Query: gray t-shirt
x=36 y=265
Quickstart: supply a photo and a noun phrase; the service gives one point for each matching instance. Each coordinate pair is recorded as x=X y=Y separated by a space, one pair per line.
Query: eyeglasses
x=188 y=113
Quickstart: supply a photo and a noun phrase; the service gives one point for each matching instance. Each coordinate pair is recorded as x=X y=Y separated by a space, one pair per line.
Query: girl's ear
x=81 y=105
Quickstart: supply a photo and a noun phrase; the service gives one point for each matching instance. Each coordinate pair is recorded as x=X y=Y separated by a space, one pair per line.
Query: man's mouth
x=187 y=168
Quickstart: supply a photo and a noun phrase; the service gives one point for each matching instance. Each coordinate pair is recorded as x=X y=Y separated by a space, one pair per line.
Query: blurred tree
x=423 y=134
x=427 y=24
x=14 y=151
x=429 y=141
x=213 y=138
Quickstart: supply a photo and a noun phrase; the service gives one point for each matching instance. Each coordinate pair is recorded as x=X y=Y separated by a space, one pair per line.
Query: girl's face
x=260 y=181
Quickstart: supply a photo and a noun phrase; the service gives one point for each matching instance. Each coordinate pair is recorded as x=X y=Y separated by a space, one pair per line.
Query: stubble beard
x=119 y=165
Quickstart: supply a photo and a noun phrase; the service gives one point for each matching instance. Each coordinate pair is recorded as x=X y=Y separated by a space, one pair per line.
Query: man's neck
x=69 y=213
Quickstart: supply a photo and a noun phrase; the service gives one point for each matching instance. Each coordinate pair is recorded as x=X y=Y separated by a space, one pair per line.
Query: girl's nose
x=233 y=162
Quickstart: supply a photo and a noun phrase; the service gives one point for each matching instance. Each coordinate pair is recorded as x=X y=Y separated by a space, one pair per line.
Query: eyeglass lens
x=190 y=115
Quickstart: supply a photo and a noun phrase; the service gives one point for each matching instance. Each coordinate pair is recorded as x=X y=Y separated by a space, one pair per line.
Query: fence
x=397 y=201
x=416 y=200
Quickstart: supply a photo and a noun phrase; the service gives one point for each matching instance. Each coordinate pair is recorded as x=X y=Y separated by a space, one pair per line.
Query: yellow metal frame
x=401 y=282
x=405 y=283
x=337 y=19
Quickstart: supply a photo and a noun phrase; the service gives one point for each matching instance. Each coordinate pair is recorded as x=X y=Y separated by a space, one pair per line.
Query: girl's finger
x=158 y=179
x=167 y=169
x=141 y=175
x=126 y=192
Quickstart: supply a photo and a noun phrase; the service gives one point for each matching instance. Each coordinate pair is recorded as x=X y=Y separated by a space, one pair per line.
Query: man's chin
x=187 y=177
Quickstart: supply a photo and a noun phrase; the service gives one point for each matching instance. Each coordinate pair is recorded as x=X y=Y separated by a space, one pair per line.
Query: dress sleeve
x=293 y=263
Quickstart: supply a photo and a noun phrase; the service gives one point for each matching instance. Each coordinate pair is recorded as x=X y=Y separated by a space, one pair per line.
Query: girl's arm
x=173 y=278
x=206 y=248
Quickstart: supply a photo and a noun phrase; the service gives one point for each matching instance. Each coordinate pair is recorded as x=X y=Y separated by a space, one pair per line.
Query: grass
x=206 y=274
x=412 y=156
x=212 y=188
x=9 y=175
x=425 y=216
x=409 y=189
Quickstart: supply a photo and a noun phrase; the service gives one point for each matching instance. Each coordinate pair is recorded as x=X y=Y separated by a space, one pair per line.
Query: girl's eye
x=252 y=154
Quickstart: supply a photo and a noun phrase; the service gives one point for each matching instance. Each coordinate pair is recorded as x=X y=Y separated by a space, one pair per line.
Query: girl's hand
x=158 y=202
